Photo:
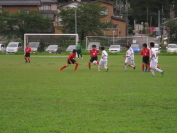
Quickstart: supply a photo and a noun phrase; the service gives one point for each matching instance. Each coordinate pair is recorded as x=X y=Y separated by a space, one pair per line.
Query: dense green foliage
x=139 y=13
x=88 y=19
x=15 y=25
x=36 y=98
x=173 y=29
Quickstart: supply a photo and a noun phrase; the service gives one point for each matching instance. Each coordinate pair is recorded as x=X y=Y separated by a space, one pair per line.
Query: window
x=104 y=12
x=59 y=22
x=24 y=10
x=46 y=7
x=114 y=26
x=0 y=8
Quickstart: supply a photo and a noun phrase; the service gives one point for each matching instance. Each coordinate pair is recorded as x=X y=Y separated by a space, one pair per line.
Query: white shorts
x=103 y=62
x=153 y=64
x=128 y=61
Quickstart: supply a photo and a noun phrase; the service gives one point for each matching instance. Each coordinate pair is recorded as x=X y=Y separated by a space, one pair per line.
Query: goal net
x=123 y=41
x=62 y=40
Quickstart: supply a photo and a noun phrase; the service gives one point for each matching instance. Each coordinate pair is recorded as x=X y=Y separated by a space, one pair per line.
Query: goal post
x=123 y=41
x=63 y=40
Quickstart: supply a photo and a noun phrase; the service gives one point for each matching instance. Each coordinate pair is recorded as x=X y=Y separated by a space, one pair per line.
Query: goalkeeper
x=79 y=50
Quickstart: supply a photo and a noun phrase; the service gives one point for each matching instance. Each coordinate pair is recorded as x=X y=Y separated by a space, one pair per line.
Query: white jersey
x=104 y=55
x=153 y=52
x=132 y=53
x=128 y=53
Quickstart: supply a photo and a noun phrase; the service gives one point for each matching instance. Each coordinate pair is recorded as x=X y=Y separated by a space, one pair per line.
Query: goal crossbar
x=114 y=38
x=38 y=34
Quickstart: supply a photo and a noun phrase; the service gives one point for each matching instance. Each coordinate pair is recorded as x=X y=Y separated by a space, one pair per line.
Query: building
x=13 y=6
x=118 y=27
x=49 y=8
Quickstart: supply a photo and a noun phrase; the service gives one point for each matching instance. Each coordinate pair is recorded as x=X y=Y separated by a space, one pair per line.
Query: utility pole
x=75 y=22
x=162 y=27
x=147 y=14
x=126 y=18
x=147 y=25
x=159 y=24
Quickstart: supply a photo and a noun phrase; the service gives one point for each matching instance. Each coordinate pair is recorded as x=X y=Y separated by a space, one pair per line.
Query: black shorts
x=27 y=55
x=79 y=51
x=146 y=59
x=93 y=58
x=73 y=61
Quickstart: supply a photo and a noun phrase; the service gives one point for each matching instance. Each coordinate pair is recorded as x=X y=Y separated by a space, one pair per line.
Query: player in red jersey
x=71 y=60
x=93 y=54
x=27 y=53
x=145 y=53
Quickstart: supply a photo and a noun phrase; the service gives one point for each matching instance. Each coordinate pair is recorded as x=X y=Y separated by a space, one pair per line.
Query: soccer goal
x=123 y=41
x=62 y=40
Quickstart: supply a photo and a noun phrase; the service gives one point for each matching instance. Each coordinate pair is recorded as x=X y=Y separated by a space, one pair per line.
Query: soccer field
x=37 y=98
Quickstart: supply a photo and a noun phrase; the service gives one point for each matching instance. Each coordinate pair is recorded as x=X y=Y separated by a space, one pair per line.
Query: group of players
x=150 y=58
x=94 y=57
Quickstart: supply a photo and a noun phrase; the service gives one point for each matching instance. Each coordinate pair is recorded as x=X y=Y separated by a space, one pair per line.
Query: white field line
x=49 y=56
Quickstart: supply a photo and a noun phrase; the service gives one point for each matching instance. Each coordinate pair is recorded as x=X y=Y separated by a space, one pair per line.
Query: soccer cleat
x=125 y=70
x=26 y=62
x=134 y=67
x=60 y=69
x=75 y=70
x=106 y=69
x=162 y=73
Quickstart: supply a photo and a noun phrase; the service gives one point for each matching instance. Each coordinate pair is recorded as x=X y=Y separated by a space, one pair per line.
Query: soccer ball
x=94 y=62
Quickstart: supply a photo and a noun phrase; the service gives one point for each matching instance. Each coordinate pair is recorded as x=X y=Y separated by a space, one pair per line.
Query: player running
x=27 y=53
x=128 y=59
x=145 y=53
x=132 y=56
x=103 y=60
x=71 y=60
x=93 y=54
x=153 y=60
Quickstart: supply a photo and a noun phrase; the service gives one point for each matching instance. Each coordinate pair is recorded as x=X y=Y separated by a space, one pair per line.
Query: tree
x=89 y=19
x=15 y=25
x=172 y=25
x=139 y=13
x=175 y=7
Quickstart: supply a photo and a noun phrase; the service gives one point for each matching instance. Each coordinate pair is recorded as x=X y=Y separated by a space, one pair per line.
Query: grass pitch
x=36 y=98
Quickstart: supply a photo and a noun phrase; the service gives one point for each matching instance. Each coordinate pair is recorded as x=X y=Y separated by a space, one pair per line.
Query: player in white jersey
x=103 y=60
x=153 y=60
x=132 y=56
x=128 y=59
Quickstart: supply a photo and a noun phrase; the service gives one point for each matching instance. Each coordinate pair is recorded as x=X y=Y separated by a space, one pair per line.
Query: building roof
x=49 y=1
x=103 y=1
x=48 y=11
x=118 y=18
x=20 y=2
x=68 y=3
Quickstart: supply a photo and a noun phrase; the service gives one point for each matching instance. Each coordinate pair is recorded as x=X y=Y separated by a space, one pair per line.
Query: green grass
x=36 y=98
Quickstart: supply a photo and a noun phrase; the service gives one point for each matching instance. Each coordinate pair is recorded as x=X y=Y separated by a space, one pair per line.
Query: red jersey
x=145 y=52
x=28 y=50
x=72 y=56
x=94 y=52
